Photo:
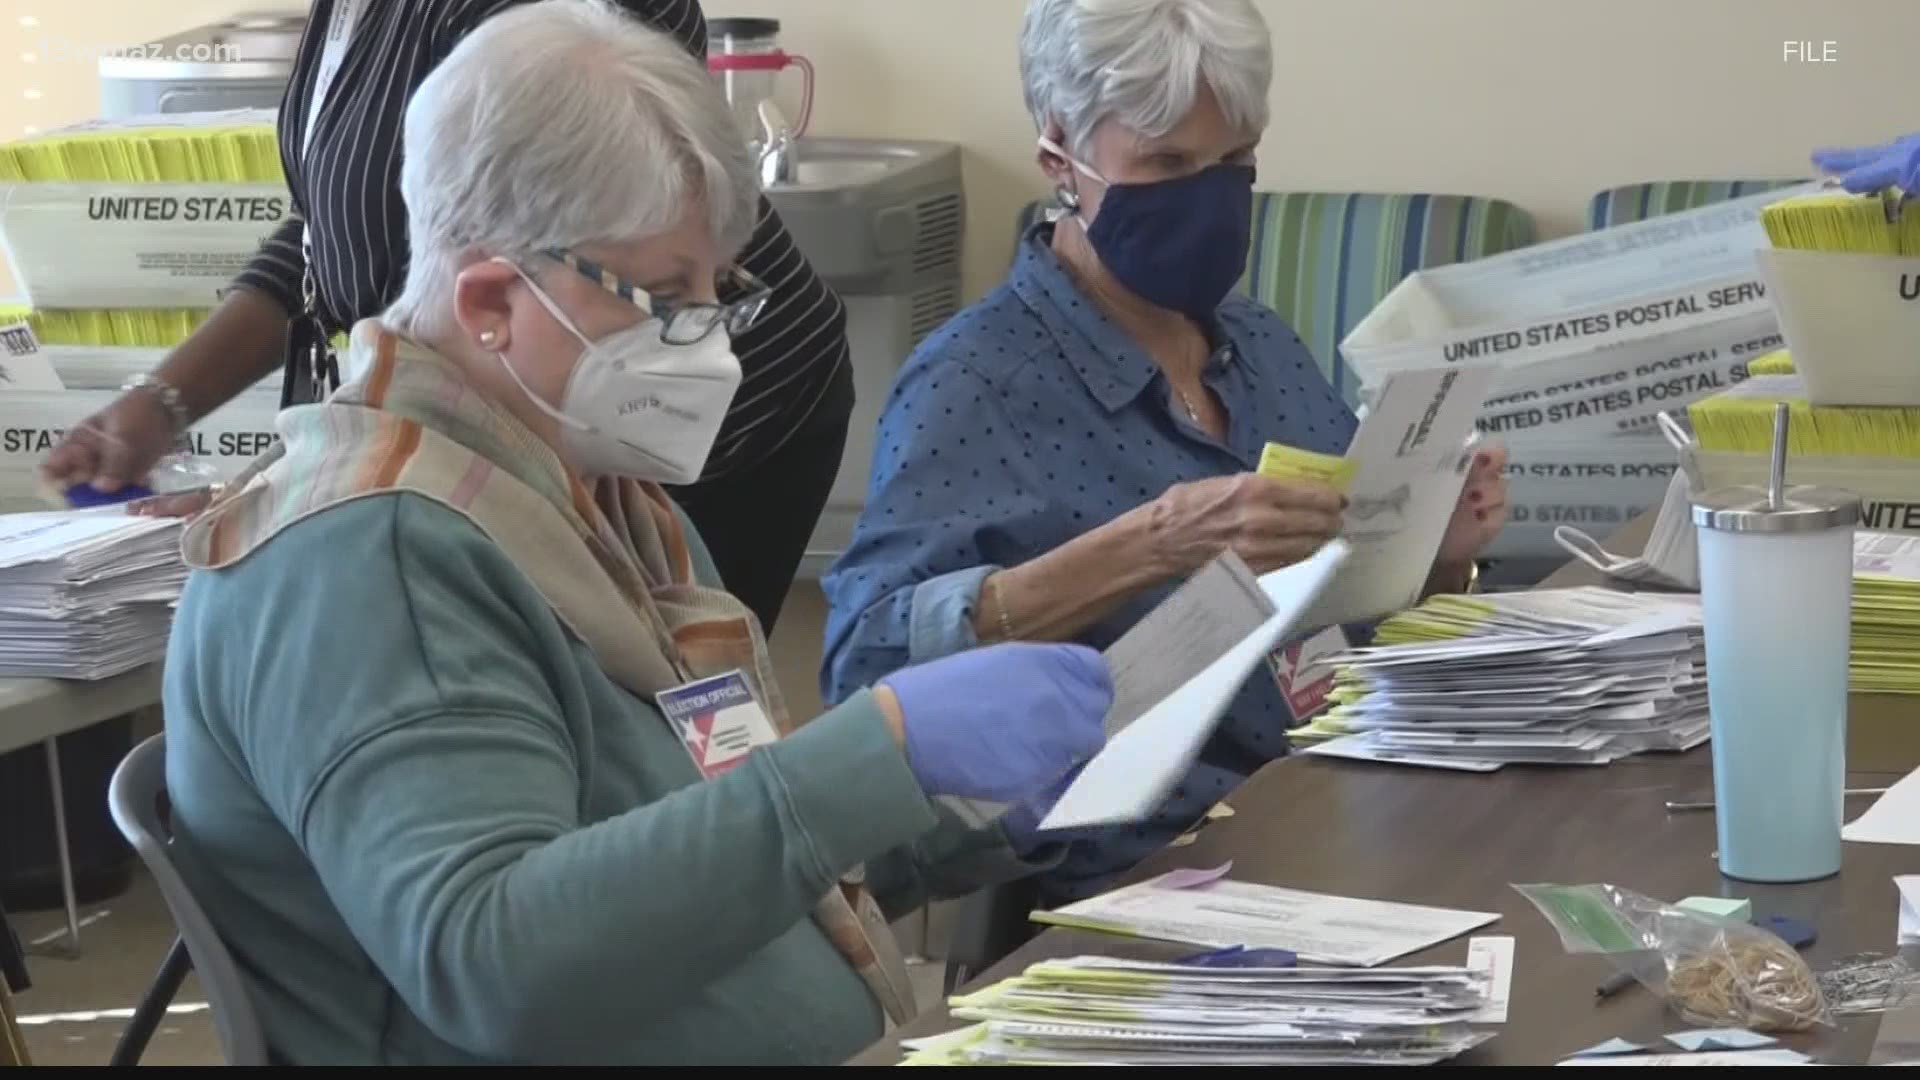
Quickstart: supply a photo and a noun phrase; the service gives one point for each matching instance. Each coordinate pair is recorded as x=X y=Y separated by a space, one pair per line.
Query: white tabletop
x=32 y=710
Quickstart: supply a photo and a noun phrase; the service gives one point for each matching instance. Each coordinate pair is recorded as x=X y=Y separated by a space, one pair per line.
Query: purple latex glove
x=1867 y=169
x=1003 y=723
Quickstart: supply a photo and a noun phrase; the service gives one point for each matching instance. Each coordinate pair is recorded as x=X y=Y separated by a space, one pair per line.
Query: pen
x=1851 y=793
x=1615 y=983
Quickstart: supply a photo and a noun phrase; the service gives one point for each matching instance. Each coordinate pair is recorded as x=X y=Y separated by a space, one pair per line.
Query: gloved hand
x=1005 y=722
x=1867 y=169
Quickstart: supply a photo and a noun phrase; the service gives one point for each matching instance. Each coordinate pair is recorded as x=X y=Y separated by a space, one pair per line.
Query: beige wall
x=1539 y=101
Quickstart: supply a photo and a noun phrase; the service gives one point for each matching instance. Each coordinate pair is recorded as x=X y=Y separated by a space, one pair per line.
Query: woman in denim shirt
x=1054 y=461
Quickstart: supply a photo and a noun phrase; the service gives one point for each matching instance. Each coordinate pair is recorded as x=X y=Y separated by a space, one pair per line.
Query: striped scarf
x=613 y=563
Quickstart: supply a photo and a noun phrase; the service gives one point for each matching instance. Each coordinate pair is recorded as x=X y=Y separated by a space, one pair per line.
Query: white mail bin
x=31 y=422
x=115 y=246
x=1596 y=335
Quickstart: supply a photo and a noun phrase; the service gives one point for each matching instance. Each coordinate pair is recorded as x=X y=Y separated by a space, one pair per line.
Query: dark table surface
x=1463 y=840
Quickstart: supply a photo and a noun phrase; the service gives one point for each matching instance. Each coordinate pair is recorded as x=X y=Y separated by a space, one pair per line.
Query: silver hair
x=560 y=124
x=1143 y=63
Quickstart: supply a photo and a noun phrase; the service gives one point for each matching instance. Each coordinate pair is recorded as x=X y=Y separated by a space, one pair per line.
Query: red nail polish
x=1482 y=460
x=1474 y=496
x=1481 y=514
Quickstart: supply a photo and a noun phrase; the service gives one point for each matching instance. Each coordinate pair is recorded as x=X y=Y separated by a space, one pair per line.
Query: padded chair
x=134 y=797
x=1638 y=202
x=1324 y=260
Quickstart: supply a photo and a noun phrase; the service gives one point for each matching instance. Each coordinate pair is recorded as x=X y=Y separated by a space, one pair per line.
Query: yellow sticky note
x=1288 y=463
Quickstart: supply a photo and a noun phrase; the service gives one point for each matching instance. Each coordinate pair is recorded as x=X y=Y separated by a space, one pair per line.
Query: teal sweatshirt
x=433 y=831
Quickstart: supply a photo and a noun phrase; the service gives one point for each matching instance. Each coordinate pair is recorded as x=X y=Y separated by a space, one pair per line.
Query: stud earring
x=488 y=339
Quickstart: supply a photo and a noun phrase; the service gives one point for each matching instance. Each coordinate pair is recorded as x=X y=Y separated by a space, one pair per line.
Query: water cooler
x=883 y=223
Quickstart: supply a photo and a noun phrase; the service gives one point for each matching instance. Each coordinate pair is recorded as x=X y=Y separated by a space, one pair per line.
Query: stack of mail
x=1560 y=676
x=1100 y=1011
x=1886 y=614
x=86 y=595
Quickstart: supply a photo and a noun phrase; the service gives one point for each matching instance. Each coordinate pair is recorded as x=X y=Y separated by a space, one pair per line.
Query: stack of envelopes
x=1559 y=676
x=1102 y=1011
x=86 y=595
x=1886 y=614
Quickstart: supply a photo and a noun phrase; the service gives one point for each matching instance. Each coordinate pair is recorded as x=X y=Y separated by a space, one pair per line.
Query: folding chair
x=139 y=785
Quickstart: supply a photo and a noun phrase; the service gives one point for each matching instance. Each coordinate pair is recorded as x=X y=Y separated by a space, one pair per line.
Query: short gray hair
x=1142 y=63
x=560 y=124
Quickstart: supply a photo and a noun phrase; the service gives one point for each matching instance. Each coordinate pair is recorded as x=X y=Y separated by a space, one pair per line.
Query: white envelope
x=1132 y=776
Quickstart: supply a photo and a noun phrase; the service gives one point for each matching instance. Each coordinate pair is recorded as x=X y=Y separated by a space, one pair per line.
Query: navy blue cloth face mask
x=1178 y=244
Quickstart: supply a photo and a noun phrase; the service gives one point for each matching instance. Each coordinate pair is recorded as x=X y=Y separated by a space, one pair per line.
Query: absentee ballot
x=1318 y=928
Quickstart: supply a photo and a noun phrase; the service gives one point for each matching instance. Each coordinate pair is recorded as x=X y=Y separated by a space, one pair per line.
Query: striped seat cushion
x=1638 y=202
x=1324 y=260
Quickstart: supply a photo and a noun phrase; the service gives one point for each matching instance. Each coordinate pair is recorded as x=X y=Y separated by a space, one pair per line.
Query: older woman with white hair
x=1054 y=461
x=515 y=783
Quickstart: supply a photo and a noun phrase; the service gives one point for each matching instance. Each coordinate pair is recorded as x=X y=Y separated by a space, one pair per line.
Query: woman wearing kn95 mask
x=516 y=783
x=1062 y=455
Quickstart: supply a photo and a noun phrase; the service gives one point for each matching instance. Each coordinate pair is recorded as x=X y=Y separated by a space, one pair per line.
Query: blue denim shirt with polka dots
x=1027 y=420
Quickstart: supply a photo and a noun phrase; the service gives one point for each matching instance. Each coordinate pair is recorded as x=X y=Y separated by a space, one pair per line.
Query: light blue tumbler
x=1776 y=589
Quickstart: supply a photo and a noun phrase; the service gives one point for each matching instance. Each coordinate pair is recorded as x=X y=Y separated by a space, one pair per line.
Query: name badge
x=718 y=722
x=1305 y=681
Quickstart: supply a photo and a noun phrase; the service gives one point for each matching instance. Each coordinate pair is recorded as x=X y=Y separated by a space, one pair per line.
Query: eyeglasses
x=744 y=297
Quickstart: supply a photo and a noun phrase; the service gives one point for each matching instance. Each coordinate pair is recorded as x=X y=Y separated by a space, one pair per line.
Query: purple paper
x=1193 y=879
x=86 y=496
x=1238 y=956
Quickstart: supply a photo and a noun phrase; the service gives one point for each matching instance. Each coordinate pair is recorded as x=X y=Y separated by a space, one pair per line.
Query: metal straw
x=1777 y=480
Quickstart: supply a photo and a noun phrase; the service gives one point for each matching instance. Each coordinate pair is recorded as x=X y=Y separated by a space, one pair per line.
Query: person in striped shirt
x=777 y=455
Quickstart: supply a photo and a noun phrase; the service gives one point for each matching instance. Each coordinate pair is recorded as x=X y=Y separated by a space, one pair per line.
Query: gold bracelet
x=1000 y=601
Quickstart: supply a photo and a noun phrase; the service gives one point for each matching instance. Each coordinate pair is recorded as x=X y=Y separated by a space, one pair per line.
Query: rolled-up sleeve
x=941 y=613
x=278 y=267
x=950 y=501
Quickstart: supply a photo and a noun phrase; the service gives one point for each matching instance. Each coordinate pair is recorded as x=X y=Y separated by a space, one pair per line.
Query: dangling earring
x=1068 y=200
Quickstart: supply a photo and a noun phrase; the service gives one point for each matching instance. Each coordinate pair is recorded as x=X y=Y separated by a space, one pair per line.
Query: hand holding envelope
x=1130 y=778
